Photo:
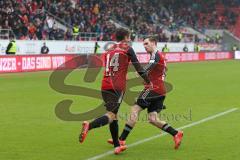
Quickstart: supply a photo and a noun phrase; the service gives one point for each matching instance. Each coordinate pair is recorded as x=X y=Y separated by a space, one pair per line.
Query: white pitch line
x=160 y=135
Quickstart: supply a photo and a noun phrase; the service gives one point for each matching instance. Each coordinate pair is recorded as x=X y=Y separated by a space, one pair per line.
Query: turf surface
x=30 y=130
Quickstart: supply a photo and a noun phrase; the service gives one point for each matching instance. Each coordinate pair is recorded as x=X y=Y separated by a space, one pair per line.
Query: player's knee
x=133 y=117
x=152 y=119
x=134 y=113
x=112 y=116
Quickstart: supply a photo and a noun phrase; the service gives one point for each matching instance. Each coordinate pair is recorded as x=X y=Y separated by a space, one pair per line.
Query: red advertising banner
x=30 y=63
x=27 y=63
x=190 y=56
x=202 y=56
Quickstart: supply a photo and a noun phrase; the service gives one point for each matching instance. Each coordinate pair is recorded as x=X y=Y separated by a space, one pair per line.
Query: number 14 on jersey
x=112 y=64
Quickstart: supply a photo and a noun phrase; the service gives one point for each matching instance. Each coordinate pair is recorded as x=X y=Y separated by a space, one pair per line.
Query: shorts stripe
x=120 y=98
x=145 y=93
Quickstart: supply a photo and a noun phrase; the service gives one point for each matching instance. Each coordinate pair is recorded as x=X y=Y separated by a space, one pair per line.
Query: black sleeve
x=137 y=65
x=152 y=63
x=8 y=47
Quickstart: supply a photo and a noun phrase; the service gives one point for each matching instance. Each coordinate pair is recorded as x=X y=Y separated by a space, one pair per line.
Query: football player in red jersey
x=152 y=97
x=116 y=61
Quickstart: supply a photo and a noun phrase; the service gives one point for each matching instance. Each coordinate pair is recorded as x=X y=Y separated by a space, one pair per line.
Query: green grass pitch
x=30 y=130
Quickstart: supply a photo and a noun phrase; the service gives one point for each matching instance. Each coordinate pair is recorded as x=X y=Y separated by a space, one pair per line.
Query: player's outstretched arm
x=137 y=65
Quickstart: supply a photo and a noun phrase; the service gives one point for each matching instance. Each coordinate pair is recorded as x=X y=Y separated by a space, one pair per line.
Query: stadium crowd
x=32 y=19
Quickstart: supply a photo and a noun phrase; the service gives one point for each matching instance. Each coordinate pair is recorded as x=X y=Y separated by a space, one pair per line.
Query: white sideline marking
x=160 y=135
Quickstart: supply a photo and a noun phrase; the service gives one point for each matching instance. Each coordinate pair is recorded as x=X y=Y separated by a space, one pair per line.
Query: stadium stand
x=36 y=19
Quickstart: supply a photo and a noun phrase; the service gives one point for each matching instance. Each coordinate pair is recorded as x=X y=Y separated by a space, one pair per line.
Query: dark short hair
x=152 y=39
x=121 y=33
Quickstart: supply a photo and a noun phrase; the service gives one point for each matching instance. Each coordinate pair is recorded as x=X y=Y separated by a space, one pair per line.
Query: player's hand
x=149 y=85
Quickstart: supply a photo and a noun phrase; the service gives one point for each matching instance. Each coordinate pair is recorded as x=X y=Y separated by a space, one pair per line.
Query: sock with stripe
x=127 y=129
x=167 y=128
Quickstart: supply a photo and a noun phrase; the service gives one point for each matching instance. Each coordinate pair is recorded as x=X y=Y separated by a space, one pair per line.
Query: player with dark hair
x=152 y=97
x=116 y=61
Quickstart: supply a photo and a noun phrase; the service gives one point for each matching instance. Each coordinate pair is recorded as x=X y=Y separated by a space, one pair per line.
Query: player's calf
x=177 y=135
x=135 y=110
x=86 y=126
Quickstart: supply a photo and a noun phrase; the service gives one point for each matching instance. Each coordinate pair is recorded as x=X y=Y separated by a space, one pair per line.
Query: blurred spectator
x=235 y=47
x=217 y=38
x=96 y=48
x=44 y=49
x=133 y=35
x=12 y=47
x=59 y=34
x=75 y=31
x=165 y=49
x=197 y=40
x=185 y=48
x=179 y=36
x=208 y=39
x=29 y=20
x=68 y=35
x=196 y=48
x=50 y=22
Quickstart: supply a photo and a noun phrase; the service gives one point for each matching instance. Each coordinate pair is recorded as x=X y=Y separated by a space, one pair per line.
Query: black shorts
x=112 y=100
x=151 y=100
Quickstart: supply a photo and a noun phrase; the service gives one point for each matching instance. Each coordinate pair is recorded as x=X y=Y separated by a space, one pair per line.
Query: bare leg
x=135 y=111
